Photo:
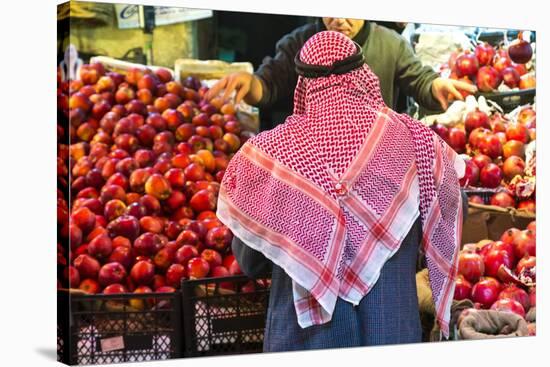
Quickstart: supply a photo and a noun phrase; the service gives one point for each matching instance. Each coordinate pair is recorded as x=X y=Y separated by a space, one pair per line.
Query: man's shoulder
x=302 y=33
x=388 y=36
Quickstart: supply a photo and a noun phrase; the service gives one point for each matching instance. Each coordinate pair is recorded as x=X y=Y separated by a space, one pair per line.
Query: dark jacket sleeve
x=414 y=78
x=253 y=263
x=277 y=73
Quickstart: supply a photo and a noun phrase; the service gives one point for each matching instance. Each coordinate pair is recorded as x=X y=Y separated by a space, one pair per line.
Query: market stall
x=145 y=266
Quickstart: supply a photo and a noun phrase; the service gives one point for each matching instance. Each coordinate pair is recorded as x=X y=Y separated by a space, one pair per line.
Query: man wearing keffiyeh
x=338 y=199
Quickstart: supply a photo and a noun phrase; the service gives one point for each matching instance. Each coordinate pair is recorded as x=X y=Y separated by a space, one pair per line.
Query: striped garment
x=330 y=195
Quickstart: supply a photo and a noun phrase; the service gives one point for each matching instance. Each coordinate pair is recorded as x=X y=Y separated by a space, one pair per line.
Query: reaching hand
x=443 y=88
x=246 y=85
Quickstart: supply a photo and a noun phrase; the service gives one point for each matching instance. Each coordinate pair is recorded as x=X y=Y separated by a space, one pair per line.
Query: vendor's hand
x=246 y=85
x=443 y=88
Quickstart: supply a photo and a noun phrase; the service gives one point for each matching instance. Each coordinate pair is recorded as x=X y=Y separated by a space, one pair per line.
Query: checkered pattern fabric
x=330 y=194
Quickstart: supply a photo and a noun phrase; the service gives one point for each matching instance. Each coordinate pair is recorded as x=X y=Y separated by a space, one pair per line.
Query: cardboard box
x=489 y=222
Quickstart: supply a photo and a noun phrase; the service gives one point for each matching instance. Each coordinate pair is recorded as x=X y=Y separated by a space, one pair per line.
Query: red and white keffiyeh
x=330 y=194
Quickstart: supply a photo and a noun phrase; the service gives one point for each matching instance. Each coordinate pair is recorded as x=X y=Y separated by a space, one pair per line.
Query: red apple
x=125 y=226
x=158 y=187
x=87 y=266
x=84 y=218
x=111 y=273
x=203 y=200
x=114 y=209
x=143 y=272
x=100 y=247
x=147 y=244
x=90 y=286
x=123 y=255
x=73 y=276
x=165 y=289
x=175 y=274
x=197 y=268
x=164 y=258
x=233 y=141
x=212 y=256
x=234 y=268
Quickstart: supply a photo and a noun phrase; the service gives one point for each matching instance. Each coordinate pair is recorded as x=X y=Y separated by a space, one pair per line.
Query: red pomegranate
x=517 y=132
x=503 y=199
x=525 y=243
x=484 y=53
x=510 y=77
x=476 y=135
x=457 y=139
x=508 y=235
x=508 y=247
x=496 y=258
x=490 y=145
x=475 y=119
x=488 y=79
x=471 y=266
x=490 y=176
x=485 y=292
x=471 y=175
x=520 y=51
x=509 y=305
x=526 y=262
x=512 y=167
x=528 y=205
x=515 y=293
x=501 y=62
x=466 y=64
x=481 y=160
x=476 y=199
x=463 y=288
x=440 y=130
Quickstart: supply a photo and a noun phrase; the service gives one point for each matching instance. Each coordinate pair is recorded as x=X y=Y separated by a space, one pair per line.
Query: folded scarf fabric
x=330 y=194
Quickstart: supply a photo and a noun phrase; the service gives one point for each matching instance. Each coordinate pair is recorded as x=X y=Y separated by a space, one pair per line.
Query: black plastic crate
x=217 y=321
x=117 y=328
x=512 y=99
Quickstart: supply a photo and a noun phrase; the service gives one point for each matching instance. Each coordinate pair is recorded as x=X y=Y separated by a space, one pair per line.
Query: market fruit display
x=146 y=158
x=498 y=152
x=494 y=69
x=500 y=275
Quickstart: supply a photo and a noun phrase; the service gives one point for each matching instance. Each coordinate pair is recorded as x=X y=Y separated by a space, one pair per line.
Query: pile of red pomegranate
x=497 y=150
x=500 y=275
x=488 y=68
x=147 y=156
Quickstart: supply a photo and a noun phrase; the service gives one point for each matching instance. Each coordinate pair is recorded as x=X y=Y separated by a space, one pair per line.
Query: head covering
x=330 y=194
